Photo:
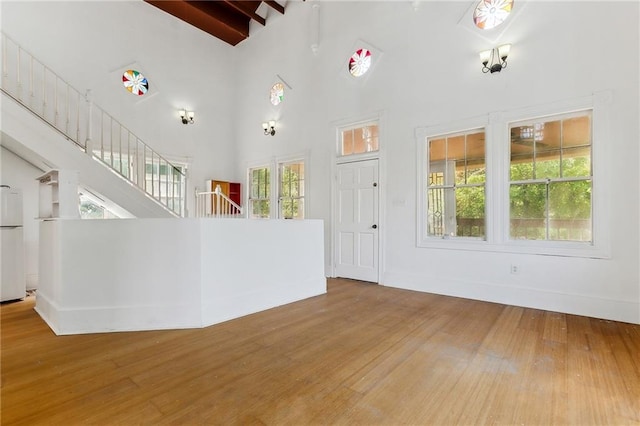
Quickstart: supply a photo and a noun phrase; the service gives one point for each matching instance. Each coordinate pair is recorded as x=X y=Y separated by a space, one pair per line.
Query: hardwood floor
x=361 y=354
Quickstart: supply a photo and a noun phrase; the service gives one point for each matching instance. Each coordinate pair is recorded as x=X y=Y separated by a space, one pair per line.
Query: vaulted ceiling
x=227 y=20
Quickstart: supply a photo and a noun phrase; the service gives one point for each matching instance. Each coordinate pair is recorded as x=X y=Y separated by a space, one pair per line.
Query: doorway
x=356 y=220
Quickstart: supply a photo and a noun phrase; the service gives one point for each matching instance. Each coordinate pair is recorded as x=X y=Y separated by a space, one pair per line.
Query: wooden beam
x=275 y=6
x=212 y=17
x=248 y=9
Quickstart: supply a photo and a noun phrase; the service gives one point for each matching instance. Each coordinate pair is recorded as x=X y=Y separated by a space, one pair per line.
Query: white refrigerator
x=12 y=277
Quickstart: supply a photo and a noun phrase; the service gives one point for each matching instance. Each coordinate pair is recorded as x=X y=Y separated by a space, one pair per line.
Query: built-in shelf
x=59 y=195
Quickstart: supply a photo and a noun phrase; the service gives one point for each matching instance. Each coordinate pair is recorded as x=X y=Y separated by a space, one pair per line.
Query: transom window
x=455 y=185
x=550 y=176
x=359 y=140
x=259 y=193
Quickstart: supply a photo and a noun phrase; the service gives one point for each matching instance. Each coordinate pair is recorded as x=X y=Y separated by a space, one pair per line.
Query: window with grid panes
x=456 y=177
x=359 y=140
x=259 y=193
x=550 y=178
x=291 y=190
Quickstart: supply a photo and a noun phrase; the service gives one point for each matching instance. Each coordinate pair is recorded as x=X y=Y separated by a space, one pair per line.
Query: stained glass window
x=360 y=62
x=277 y=93
x=489 y=14
x=135 y=82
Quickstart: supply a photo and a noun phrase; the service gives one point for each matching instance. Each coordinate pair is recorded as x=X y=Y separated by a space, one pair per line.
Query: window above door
x=360 y=139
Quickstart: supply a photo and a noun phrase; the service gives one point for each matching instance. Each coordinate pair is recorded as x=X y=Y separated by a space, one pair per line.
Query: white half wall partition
x=147 y=274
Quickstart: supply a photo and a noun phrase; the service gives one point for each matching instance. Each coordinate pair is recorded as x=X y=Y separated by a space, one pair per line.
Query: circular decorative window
x=135 y=82
x=277 y=93
x=360 y=62
x=489 y=14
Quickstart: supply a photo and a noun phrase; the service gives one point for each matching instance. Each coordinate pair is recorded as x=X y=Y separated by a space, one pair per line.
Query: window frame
x=250 y=199
x=358 y=155
x=274 y=166
x=423 y=135
x=280 y=167
x=445 y=167
x=497 y=211
x=548 y=181
x=86 y=197
x=178 y=188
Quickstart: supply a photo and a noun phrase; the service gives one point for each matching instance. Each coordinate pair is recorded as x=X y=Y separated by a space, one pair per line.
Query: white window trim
x=360 y=156
x=291 y=159
x=262 y=165
x=422 y=134
x=273 y=165
x=497 y=190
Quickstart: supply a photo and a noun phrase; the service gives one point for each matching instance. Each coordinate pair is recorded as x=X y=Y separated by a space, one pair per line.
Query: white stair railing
x=47 y=95
x=216 y=204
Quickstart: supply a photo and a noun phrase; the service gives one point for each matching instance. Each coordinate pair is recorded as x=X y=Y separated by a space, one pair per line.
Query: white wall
x=89 y=42
x=147 y=274
x=429 y=74
x=17 y=173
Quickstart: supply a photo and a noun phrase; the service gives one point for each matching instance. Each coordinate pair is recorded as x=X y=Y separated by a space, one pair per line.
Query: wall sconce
x=495 y=60
x=186 y=116
x=269 y=128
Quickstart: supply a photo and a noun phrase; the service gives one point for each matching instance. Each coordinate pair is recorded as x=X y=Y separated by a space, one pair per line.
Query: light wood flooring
x=360 y=355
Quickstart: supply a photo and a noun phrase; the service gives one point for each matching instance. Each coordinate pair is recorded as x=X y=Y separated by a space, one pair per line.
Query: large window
x=259 y=192
x=291 y=190
x=533 y=180
x=456 y=185
x=550 y=179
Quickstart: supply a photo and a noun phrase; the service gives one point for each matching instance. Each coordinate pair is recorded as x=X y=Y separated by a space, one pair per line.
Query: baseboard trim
x=575 y=304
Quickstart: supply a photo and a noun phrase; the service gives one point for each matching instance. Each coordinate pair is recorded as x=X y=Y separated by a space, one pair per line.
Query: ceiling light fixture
x=186 y=116
x=269 y=127
x=495 y=59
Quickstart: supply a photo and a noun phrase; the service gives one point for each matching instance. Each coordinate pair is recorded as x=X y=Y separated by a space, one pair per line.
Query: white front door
x=357 y=227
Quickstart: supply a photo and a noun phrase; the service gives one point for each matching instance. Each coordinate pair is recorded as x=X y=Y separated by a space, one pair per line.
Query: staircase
x=42 y=114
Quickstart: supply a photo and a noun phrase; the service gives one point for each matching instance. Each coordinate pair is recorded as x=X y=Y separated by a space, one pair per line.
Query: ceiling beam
x=213 y=17
x=227 y=20
x=248 y=9
x=275 y=6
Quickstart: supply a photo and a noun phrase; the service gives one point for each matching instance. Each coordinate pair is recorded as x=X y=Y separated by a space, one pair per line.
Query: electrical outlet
x=515 y=269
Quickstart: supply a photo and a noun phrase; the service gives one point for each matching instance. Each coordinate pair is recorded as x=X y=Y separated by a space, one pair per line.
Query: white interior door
x=357 y=227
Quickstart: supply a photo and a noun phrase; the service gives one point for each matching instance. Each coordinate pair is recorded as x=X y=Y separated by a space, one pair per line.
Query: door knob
x=375 y=226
